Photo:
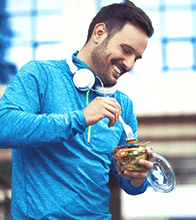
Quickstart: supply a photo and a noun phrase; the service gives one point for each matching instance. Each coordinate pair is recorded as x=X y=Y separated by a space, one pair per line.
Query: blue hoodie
x=60 y=166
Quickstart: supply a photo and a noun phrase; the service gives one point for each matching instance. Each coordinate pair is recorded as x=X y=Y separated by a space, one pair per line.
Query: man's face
x=111 y=58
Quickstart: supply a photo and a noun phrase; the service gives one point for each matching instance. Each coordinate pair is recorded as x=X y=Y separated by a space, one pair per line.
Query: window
x=37 y=27
x=48 y=29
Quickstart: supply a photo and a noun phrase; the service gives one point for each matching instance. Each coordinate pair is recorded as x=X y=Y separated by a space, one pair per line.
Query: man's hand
x=102 y=107
x=138 y=177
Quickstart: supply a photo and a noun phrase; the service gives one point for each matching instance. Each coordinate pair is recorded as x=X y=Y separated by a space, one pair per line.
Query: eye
x=126 y=49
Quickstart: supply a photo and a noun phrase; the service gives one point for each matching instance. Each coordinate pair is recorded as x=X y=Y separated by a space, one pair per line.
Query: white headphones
x=85 y=79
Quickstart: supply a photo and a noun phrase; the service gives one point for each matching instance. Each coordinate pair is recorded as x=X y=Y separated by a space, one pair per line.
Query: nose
x=129 y=62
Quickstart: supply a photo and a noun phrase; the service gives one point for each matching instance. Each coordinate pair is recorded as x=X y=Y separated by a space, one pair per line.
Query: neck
x=85 y=56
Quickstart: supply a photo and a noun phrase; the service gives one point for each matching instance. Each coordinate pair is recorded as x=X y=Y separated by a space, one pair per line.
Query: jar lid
x=162 y=176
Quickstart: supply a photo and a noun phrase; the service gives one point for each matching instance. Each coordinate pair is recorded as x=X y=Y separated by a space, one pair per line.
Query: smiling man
x=111 y=57
x=61 y=120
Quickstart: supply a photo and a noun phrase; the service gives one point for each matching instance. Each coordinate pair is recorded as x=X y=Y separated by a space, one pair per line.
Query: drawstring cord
x=89 y=128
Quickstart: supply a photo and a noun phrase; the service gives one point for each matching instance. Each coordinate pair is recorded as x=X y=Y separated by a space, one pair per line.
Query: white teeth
x=117 y=69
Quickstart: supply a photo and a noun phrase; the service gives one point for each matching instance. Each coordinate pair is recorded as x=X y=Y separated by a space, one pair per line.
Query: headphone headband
x=73 y=68
x=107 y=91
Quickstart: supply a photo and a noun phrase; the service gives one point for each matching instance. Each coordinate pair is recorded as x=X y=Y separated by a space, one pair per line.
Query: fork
x=127 y=128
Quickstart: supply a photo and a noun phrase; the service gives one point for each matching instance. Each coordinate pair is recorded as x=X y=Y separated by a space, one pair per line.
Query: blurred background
x=162 y=87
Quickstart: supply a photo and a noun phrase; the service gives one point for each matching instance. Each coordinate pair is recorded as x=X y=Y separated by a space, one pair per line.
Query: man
x=62 y=125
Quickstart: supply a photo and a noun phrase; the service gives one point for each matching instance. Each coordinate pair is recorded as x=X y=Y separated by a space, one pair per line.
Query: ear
x=99 y=33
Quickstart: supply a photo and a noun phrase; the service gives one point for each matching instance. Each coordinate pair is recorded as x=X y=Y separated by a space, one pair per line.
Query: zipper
x=89 y=127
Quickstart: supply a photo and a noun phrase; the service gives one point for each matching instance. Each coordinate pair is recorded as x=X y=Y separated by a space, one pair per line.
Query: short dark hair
x=115 y=16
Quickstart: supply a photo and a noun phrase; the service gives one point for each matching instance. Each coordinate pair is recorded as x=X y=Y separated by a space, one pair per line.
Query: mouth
x=119 y=69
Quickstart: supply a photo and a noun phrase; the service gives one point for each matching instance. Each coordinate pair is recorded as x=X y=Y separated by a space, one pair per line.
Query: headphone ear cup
x=84 y=79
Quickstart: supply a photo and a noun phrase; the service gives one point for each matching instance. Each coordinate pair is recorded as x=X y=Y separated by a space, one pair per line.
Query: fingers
x=148 y=153
x=102 y=107
x=137 y=177
x=113 y=110
x=147 y=164
x=129 y=174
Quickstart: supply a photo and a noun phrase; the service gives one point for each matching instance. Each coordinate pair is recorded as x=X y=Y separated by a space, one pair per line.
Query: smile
x=117 y=69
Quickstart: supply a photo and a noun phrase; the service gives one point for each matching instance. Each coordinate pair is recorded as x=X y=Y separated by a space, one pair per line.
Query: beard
x=101 y=68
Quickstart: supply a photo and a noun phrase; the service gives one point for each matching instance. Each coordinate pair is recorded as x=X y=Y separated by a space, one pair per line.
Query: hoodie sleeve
x=22 y=124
